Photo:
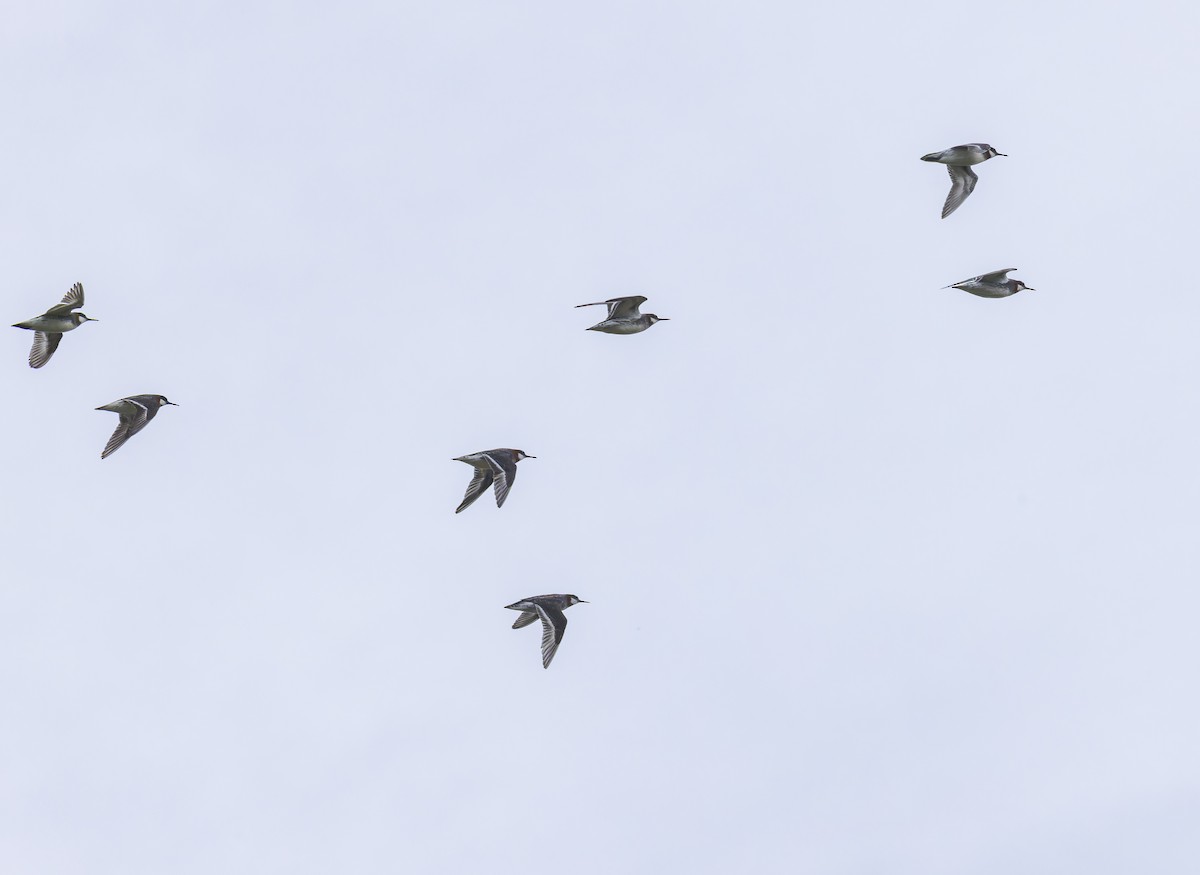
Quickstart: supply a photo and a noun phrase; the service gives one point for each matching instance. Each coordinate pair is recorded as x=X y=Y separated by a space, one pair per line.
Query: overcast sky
x=883 y=578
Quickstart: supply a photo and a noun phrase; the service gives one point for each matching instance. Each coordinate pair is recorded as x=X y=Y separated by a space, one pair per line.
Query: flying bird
x=135 y=411
x=549 y=609
x=52 y=324
x=991 y=285
x=623 y=316
x=497 y=467
x=958 y=161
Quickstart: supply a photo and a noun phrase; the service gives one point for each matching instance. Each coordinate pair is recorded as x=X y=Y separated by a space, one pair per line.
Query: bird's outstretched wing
x=134 y=416
x=962 y=183
x=554 y=624
x=625 y=308
x=44 y=344
x=525 y=619
x=72 y=300
x=478 y=485
x=620 y=308
x=117 y=440
x=504 y=472
x=996 y=276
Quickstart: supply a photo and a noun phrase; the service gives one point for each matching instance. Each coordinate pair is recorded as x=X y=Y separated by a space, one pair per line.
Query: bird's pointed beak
x=1002 y=155
x=90 y=319
x=172 y=403
x=664 y=318
x=527 y=456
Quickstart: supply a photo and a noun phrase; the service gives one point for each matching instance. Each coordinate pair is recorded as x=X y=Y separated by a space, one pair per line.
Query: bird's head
x=163 y=402
x=80 y=318
x=654 y=318
x=521 y=454
x=575 y=600
x=1022 y=287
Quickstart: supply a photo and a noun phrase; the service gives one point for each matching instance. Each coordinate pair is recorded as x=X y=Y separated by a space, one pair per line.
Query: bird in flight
x=991 y=285
x=498 y=467
x=624 y=316
x=958 y=161
x=549 y=609
x=135 y=412
x=52 y=324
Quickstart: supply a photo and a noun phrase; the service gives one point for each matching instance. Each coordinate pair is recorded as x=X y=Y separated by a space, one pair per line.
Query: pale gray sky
x=883 y=578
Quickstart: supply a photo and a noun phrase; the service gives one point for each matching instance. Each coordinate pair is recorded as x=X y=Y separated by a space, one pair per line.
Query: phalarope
x=491 y=466
x=991 y=285
x=135 y=412
x=623 y=316
x=549 y=609
x=52 y=324
x=958 y=161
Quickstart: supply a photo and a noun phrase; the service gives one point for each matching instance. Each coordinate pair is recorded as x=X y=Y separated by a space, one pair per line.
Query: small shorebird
x=549 y=609
x=135 y=411
x=623 y=316
x=491 y=466
x=991 y=285
x=958 y=161
x=52 y=324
